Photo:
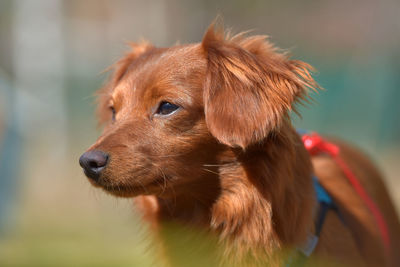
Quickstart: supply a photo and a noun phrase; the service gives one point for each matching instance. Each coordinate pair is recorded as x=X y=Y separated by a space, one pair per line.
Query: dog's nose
x=93 y=162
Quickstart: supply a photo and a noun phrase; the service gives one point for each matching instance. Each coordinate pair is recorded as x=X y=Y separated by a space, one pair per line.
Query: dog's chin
x=123 y=192
x=131 y=190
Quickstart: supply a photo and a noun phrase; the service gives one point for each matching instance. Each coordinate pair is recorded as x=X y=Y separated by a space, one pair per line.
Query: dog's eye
x=113 y=113
x=166 y=108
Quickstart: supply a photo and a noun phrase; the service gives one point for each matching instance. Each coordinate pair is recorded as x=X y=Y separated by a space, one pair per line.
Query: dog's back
x=355 y=233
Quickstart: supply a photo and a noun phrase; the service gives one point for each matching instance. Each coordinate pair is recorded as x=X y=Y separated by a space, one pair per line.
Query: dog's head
x=168 y=112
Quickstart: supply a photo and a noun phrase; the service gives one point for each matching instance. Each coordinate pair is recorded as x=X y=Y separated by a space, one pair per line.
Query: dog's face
x=155 y=130
x=168 y=112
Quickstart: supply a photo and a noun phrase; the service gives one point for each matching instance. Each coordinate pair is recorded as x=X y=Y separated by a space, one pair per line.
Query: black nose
x=93 y=162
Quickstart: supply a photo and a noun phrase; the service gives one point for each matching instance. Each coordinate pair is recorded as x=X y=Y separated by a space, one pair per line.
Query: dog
x=200 y=135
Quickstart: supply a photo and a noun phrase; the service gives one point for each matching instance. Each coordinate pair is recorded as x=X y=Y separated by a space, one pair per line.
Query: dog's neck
x=261 y=200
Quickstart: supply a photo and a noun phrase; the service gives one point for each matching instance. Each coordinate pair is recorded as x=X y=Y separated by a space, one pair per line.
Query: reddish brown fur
x=229 y=159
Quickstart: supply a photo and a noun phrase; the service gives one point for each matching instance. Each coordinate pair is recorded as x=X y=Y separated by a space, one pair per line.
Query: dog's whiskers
x=164 y=180
x=213 y=165
x=210 y=171
x=165 y=156
x=144 y=188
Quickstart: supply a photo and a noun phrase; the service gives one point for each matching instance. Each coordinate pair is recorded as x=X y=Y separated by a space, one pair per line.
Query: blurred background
x=53 y=52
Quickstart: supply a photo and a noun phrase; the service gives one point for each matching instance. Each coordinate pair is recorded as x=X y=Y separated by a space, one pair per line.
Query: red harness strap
x=315 y=145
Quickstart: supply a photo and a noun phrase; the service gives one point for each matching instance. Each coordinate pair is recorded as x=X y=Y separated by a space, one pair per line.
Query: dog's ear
x=249 y=87
x=118 y=70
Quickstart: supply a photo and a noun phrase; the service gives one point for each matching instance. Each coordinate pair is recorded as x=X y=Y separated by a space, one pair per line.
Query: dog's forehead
x=168 y=63
x=162 y=68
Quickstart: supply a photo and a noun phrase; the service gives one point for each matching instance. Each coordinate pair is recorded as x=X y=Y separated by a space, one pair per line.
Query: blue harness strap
x=323 y=198
x=325 y=203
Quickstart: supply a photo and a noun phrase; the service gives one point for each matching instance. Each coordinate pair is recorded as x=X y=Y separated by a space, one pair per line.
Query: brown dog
x=201 y=133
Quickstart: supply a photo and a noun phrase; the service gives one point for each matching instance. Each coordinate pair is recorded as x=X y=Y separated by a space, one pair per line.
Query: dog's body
x=201 y=134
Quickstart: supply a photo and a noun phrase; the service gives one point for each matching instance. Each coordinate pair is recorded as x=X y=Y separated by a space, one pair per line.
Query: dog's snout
x=93 y=162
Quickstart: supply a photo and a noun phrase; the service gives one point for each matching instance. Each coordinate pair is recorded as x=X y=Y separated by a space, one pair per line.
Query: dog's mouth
x=131 y=190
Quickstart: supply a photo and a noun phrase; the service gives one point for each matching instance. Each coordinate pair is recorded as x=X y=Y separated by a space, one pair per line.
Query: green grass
x=66 y=245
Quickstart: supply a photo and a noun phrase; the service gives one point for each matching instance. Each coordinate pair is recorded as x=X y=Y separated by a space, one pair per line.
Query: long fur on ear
x=249 y=87
x=118 y=71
